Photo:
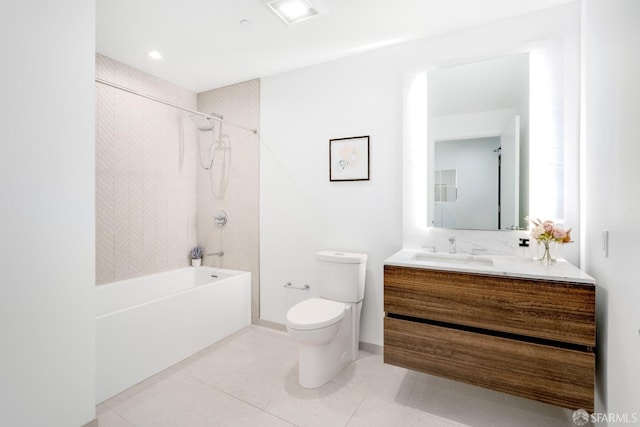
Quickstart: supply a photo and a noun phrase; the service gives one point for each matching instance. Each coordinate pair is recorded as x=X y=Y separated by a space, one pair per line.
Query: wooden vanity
x=531 y=337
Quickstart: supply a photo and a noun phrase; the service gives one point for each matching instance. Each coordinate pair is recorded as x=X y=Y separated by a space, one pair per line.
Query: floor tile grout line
x=122 y=417
x=135 y=395
x=364 y=397
x=244 y=401
x=167 y=387
x=184 y=371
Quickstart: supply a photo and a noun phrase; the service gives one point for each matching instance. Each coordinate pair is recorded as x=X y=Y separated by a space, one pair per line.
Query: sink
x=455 y=259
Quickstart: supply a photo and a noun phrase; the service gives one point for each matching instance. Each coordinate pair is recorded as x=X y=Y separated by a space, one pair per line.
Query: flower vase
x=546 y=258
x=197 y=262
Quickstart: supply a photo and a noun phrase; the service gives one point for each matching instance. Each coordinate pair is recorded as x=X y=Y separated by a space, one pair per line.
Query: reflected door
x=476 y=202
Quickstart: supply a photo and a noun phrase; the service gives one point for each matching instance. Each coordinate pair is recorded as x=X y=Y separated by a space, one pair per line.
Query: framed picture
x=349 y=159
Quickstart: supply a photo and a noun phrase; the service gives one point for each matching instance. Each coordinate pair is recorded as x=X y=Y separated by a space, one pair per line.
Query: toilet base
x=321 y=360
x=319 y=364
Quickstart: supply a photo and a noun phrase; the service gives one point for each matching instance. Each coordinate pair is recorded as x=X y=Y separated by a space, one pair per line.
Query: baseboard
x=92 y=423
x=371 y=348
x=270 y=325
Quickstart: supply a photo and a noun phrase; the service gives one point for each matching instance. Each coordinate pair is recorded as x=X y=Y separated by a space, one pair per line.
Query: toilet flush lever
x=305 y=288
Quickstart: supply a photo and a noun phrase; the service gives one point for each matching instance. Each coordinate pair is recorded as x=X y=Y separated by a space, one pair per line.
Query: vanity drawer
x=556 y=311
x=553 y=375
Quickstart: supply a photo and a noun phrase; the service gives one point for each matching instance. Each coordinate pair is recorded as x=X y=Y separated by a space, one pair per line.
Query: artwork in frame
x=349 y=159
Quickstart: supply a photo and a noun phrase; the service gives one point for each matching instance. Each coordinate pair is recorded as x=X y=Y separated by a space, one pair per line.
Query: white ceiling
x=204 y=45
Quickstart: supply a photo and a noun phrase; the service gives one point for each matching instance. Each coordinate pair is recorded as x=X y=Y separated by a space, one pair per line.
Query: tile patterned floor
x=250 y=379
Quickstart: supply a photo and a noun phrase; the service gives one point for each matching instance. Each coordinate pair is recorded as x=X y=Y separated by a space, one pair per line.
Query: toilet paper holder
x=304 y=288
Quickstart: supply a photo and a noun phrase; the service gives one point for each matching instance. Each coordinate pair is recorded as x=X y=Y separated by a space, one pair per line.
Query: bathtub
x=147 y=324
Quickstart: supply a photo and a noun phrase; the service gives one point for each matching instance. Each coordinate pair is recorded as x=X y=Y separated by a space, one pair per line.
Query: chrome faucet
x=452 y=245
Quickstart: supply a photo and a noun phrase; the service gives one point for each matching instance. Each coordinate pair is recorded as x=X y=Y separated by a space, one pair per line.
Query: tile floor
x=250 y=379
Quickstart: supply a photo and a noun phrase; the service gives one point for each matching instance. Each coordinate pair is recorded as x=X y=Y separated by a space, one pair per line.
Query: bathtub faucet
x=452 y=245
x=221 y=253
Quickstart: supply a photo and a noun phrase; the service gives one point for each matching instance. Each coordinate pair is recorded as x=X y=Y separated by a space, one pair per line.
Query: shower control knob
x=220 y=219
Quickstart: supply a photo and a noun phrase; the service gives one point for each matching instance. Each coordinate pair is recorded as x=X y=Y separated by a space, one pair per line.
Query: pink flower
x=545 y=231
x=559 y=233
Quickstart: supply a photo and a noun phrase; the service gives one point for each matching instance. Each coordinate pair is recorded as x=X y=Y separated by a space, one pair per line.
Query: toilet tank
x=340 y=275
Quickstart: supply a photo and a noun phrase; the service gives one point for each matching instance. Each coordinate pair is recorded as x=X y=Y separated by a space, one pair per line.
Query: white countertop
x=501 y=266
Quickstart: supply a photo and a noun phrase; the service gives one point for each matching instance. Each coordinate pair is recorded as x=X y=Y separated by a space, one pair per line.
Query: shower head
x=201 y=122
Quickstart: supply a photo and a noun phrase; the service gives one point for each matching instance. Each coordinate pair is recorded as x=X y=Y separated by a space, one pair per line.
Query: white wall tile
x=145 y=179
x=232 y=184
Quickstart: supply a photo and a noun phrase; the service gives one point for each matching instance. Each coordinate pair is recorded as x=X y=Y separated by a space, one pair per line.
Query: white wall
x=47 y=234
x=610 y=197
x=300 y=210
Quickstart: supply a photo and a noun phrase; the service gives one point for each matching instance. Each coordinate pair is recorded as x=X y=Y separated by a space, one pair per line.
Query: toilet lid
x=315 y=313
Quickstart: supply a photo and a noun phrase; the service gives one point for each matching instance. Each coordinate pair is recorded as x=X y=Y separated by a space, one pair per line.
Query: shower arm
x=162 y=101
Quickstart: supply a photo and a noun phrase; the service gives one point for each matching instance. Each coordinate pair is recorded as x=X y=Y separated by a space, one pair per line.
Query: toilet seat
x=315 y=313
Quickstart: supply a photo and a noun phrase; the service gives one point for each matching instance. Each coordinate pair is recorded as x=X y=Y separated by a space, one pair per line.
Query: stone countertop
x=510 y=266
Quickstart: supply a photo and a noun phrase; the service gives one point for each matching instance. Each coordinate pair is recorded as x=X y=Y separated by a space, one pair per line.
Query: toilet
x=327 y=328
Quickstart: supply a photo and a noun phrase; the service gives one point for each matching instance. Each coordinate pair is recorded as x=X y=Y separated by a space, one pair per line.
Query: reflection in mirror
x=477 y=126
x=470 y=198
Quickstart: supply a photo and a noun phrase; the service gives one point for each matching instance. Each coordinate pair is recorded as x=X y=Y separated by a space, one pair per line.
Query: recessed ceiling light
x=292 y=11
x=154 y=54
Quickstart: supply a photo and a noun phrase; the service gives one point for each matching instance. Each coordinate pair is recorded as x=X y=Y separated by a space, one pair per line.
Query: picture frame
x=349 y=159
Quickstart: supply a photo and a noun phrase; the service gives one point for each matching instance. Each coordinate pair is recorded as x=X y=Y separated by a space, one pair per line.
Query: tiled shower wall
x=232 y=184
x=145 y=175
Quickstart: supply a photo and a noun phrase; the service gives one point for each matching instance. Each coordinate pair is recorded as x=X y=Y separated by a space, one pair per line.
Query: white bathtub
x=146 y=324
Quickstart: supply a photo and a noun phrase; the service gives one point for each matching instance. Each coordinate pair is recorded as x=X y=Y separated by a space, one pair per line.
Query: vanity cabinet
x=528 y=337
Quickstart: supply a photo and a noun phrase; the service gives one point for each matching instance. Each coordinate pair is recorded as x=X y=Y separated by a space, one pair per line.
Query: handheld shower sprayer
x=205 y=124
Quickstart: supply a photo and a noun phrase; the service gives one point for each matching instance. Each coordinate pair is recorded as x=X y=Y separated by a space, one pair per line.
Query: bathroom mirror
x=478 y=144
